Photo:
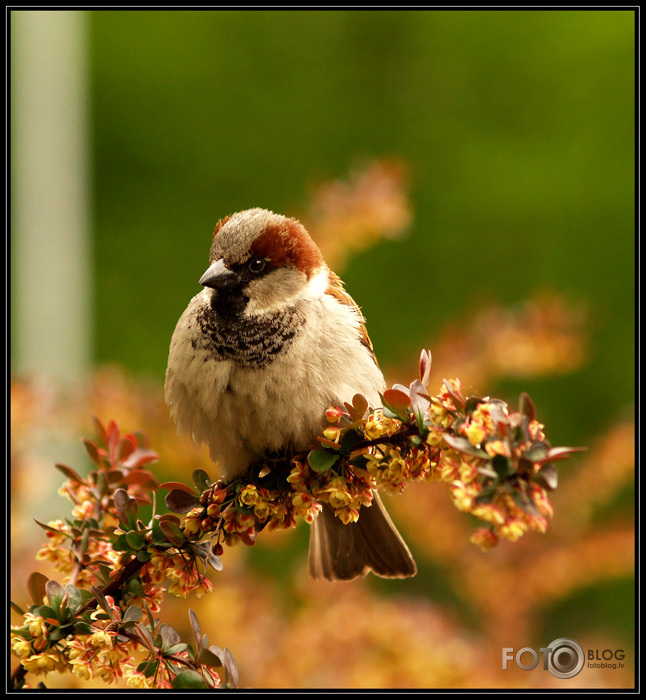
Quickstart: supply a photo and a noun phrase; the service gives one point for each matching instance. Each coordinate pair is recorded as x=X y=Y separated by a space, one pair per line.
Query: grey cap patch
x=237 y=235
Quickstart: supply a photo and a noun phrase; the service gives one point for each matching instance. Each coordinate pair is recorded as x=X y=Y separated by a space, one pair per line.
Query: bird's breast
x=251 y=341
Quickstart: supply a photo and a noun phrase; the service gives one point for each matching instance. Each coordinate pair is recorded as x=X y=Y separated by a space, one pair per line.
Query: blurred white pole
x=50 y=188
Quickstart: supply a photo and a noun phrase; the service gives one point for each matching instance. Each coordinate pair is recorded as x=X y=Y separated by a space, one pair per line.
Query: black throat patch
x=250 y=341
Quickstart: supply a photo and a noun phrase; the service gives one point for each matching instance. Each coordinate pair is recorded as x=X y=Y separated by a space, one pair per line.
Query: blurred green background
x=517 y=127
x=518 y=131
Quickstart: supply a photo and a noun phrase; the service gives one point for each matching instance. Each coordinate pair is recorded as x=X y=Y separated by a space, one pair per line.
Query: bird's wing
x=336 y=290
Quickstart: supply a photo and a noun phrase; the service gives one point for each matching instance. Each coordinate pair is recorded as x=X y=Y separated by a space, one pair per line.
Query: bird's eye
x=257 y=265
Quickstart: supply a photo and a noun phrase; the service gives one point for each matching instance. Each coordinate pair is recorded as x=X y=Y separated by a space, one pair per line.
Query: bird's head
x=264 y=258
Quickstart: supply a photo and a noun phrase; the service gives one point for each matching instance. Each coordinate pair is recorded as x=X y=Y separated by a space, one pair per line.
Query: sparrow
x=257 y=357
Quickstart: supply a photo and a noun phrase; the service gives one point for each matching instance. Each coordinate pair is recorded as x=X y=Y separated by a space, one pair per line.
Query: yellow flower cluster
x=87 y=656
x=97 y=655
x=377 y=425
x=171 y=565
x=464 y=471
x=30 y=644
x=344 y=494
x=57 y=550
x=391 y=468
x=473 y=444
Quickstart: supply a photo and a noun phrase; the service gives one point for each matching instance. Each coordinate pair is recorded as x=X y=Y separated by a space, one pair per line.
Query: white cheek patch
x=275 y=289
x=317 y=284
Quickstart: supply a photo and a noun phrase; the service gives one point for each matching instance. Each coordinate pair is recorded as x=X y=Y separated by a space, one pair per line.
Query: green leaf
x=188 y=679
x=173 y=533
x=207 y=657
x=537 y=452
x=82 y=627
x=176 y=649
x=501 y=466
x=321 y=460
x=136 y=587
x=55 y=594
x=135 y=540
x=157 y=533
x=487 y=494
x=148 y=668
x=57 y=634
x=349 y=440
x=463 y=445
x=201 y=479
x=74 y=598
x=524 y=503
x=45 y=611
x=121 y=543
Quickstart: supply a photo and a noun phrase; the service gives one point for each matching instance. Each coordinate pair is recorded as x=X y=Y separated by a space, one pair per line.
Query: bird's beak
x=218 y=275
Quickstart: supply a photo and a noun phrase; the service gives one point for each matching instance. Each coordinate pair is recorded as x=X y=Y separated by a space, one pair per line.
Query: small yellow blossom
x=512 y=529
x=377 y=425
x=41 y=664
x=484 y=538
x=489 y=512
x=497 y=447
x=21 y=647
x=102 y=639
x=463 y=495
x=475 y=433
x=36 y=625
x=333 y=433
x=249 y=495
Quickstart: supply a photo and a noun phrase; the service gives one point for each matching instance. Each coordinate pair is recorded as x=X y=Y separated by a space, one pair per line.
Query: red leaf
x=140 y=457
x=127 y=446
x=36 y=587
x=141 y=477
x=113 y=442
x=358 y=408
x=94 y=451
x=176 y=485
x=328 y=443
x=100 y=429
x=397 y=399
x=69 y=472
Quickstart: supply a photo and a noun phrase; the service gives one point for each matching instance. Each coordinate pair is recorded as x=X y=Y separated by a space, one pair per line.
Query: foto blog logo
x=563 y=658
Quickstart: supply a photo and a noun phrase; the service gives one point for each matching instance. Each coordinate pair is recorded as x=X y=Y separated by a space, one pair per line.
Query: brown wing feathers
x=335 y=289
